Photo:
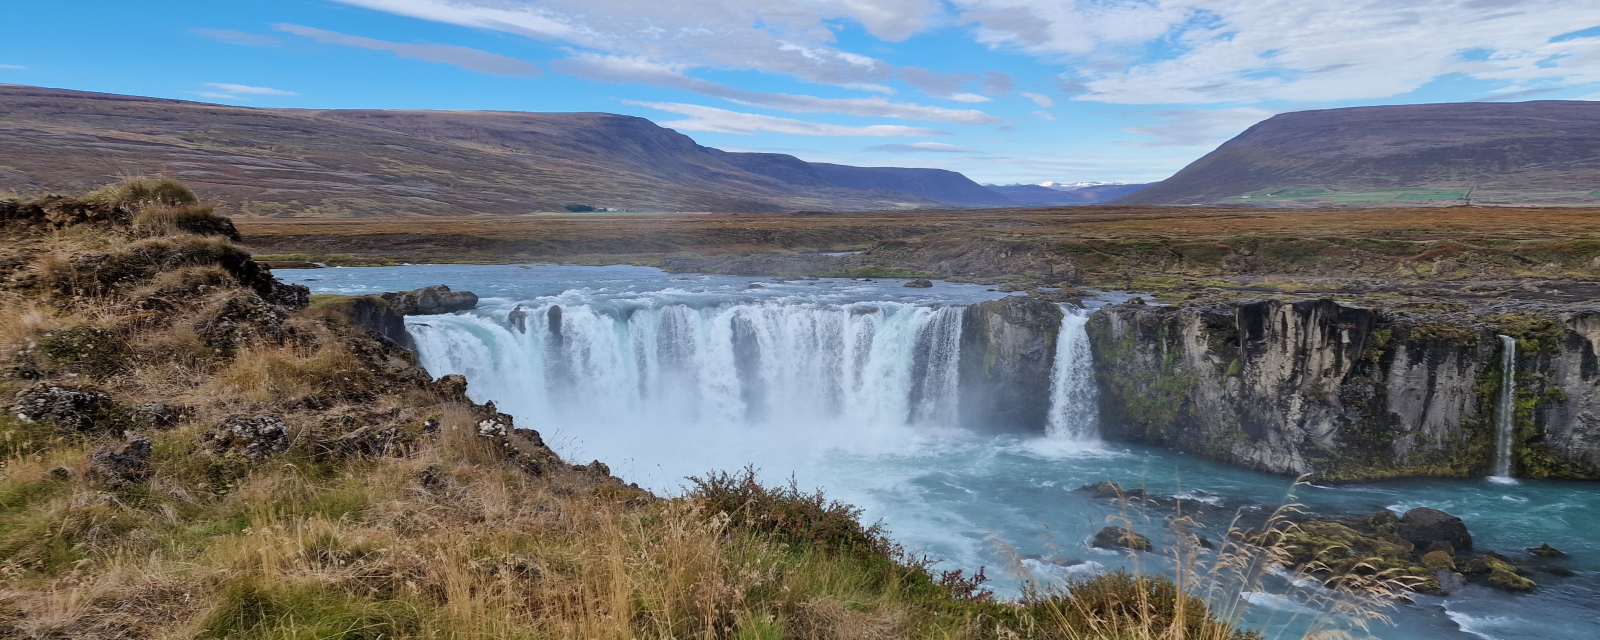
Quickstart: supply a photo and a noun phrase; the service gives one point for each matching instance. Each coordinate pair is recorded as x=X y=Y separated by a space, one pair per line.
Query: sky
x=1005 y=91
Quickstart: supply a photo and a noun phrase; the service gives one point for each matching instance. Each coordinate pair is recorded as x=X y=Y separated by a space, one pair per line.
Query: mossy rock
x=1438 y=560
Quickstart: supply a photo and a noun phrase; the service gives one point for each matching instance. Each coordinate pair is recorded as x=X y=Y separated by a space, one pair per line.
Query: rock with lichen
x=71 y=408
x=253 y=438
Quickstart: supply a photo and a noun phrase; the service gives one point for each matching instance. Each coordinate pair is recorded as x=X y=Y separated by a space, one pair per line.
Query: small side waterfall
x=1074 y=412
x=1507 y=410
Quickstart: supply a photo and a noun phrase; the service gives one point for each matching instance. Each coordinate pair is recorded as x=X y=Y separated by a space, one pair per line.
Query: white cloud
x=792 y=37
x=1039 y=99
x=11 y=66
x=919 y=147
x=1046 y=115
x=215 y=94
x=236 y=37
x=1196 y=127
x=230 y=89
x=724 y=121
x=638 y=69
x=464 y=57
x=1241 y=51
x=969 y=97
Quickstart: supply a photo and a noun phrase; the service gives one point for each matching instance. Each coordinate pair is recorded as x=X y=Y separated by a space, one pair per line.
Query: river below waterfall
x=851 y=386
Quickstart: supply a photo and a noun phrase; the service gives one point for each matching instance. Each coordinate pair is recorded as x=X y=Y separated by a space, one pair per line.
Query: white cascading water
x=1074 y=411
x=1506 y=412
x=736 y=364
x=862 y=364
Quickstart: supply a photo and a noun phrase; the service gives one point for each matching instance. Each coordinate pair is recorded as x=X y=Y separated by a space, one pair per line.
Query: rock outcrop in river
x=1007 y=351
x=1351 y=393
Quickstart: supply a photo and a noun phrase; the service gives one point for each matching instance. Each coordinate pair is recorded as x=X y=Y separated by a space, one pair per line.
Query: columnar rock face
x=1008 y=347
x=1349 y=393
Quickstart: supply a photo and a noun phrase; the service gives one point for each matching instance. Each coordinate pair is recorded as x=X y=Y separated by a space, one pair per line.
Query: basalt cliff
x=1347 y=393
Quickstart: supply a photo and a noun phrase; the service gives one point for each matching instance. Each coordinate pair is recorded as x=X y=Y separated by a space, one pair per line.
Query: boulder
x=493 y=424
x=293 y=296
x=1121 y=538
x=519 y=319
x=1492 y=571
x=919 y=283
x=1111 y=491
x=241 y=317
x=72 y=408
x=253 y=438
x=451 y=388
x=121 y=466
x=430 y=300
x=1546 y=551
x=1449 y=581
x=1423 y=527
x=1438 y=560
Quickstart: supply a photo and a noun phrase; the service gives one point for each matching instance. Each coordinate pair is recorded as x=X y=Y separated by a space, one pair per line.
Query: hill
x=299 y=162
x=935 y=184
x=1524 y=153
x=1040 y=196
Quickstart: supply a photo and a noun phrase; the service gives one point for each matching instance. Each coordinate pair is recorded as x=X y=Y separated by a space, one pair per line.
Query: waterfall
x=1074 y=412
x=731 y=364
x=1507 y=409
x=789 y=366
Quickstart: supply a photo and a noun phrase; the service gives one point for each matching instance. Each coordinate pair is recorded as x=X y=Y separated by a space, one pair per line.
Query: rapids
x=851 y=386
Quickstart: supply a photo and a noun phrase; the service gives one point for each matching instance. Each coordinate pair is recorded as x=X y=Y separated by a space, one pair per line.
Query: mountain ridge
x=1541 y=152
x=363 y=162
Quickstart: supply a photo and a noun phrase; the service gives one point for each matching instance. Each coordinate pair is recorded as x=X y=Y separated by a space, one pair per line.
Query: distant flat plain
x=641 y=235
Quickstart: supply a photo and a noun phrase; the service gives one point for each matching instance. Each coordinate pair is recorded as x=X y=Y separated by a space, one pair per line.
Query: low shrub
x=143 y=193
x=200 y=220
x=792 y=515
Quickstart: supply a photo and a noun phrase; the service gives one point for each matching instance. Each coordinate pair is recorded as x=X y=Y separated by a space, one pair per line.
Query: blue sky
x=1002 y=90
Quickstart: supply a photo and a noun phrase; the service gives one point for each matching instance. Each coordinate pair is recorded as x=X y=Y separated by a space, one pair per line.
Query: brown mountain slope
x=1517 y=153
x=337 y=163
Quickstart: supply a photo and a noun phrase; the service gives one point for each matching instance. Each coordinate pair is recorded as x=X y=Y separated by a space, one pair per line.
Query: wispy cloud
x=1196 y=127
x=920 y=147
x=1517 y=94
x=464 y=57
x=637 y=69
x=236 y=37
x=248 y=90
x=1039 y=99
x=724 y=121
x=1226 y=51
x=791 y=37
x=11 y=66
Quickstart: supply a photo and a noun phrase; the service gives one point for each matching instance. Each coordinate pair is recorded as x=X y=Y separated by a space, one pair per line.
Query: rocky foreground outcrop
x=383 y=315
x=1351 y=393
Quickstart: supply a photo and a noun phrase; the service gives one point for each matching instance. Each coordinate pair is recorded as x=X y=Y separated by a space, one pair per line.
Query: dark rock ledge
x=383 y=315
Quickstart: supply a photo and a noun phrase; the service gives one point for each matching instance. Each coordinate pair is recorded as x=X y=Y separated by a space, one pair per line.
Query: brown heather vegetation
x=1159 y=249
x=392 y=511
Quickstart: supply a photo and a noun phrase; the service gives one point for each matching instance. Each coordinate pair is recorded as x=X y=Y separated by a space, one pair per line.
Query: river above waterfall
x=850 y=385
